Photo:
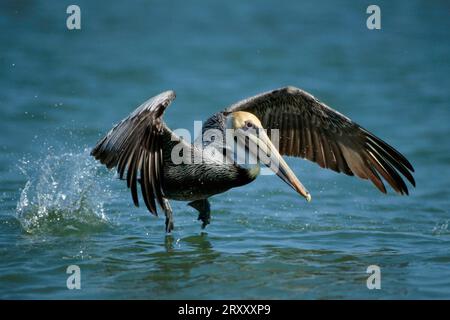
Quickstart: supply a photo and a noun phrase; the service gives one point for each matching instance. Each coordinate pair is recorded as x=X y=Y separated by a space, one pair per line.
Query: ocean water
x=61 y=90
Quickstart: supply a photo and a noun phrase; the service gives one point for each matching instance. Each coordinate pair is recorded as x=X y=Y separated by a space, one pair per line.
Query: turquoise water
x=61 y=90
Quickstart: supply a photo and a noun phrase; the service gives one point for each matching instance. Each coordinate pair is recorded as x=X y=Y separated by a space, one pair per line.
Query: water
x=61 y=90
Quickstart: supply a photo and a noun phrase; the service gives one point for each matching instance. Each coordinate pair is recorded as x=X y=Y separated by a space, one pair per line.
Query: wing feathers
x=312 y=130
x=134 y=146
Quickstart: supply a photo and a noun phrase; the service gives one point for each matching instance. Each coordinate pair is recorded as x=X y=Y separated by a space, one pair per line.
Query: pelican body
x=145 y=151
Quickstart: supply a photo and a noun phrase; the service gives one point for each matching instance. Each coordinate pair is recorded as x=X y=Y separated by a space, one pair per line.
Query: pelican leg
x=204 y=209
x=169 y=217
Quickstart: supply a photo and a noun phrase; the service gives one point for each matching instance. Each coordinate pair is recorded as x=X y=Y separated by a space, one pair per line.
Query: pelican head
x=249 y=133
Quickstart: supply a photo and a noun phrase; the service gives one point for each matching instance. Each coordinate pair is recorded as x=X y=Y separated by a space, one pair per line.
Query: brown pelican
x=143 y=146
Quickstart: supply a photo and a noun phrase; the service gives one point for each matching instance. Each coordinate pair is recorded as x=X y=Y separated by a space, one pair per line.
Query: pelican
x=141 y=147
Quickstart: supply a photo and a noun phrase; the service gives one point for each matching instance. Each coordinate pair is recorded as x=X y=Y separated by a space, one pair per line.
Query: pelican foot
x=205 y=218
x=204 y=209
x=169 y=224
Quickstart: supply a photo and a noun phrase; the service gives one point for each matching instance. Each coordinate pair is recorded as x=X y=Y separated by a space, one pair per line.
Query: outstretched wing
x=135 y=145
x=310 y=129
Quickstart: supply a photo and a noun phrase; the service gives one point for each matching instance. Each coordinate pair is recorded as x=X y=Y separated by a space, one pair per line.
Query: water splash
x=63 y=194
x=440 y=228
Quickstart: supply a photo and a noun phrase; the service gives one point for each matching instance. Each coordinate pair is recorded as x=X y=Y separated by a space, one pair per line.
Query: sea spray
x=64 y=193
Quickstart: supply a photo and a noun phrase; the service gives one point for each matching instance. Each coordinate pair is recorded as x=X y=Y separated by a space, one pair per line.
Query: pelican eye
x=248 y=124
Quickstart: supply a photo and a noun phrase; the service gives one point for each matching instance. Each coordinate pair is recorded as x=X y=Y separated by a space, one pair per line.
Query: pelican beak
x=263 y=149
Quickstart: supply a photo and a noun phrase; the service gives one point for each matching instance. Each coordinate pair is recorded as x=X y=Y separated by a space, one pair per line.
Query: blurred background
x=61 y=90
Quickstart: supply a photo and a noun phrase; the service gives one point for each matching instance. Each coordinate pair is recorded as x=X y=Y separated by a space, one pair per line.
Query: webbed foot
x=204 y=209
